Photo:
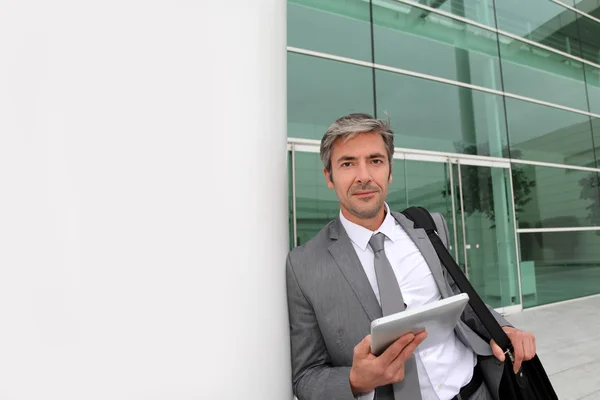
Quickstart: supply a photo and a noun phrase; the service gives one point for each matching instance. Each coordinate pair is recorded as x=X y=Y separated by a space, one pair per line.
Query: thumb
x=364 y=347
x=497 y=351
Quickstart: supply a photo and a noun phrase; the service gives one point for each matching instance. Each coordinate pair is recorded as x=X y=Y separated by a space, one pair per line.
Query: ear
x=390 y=178
x=328 y=178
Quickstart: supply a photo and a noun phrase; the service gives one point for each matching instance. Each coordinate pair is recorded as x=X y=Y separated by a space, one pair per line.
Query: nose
x=363 y=175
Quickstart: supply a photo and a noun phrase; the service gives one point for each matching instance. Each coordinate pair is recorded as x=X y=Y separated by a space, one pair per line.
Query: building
x=495 y=106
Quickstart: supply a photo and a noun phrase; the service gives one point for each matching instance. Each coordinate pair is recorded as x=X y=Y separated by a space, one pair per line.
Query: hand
x=523 y=345
x=369 y=371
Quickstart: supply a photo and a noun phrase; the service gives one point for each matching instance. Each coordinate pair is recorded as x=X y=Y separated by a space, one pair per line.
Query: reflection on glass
x=320 y=91
x=543 y=75
x=547 y=197
x=421 y=183
x=489 y=242
x=435 y=45
x=557 y=266
x=541 y=21
x=592 y=78
x=542 y=133
x=481 y=11
x=589 y=31
x=316 y=204
x=435 y=116
x=340 y=27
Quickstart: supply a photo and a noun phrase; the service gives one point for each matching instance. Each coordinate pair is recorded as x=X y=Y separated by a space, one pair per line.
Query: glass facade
x=496 y=109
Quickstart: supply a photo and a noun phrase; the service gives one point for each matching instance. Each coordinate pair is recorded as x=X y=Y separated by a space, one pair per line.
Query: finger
x=396 y=368
x=363 y=348
x=519 y=351
x=497 y=351
x=529 y=348
x=394 y=350
x=410 y=348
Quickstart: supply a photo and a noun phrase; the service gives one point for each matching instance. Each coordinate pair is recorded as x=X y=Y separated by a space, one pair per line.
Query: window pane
x=334 y=26
x=596 y=131
x=592 y=78
x=542 y=133
x=589 y=33
x=481 y=11
x=436 y=45
x=547 y=197
x=543 y=75
x=434 y=116
x=320 y=91
x=316 y=204
x=559 y=266
x=541 y=21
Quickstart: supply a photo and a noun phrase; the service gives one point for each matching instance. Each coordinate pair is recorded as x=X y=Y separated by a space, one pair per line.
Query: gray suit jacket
x=331 y=305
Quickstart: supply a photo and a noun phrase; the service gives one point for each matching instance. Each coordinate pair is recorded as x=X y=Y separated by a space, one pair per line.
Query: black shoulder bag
x=531 y=382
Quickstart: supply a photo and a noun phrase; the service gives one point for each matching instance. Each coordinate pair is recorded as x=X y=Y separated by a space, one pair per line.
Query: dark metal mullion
x=502 y=84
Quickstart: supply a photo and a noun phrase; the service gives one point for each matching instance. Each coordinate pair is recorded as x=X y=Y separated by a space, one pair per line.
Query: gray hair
x=351 y=125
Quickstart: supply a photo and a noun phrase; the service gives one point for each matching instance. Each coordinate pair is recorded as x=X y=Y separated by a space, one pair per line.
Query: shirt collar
x=360 y=235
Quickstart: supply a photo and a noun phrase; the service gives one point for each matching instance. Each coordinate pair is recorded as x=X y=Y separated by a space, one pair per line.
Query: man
x=334 y=291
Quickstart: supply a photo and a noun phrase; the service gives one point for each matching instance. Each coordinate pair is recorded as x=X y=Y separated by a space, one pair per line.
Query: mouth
x=364 y=194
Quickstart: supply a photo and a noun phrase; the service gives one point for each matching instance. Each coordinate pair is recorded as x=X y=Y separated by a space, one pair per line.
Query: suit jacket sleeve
x=469 y=317
x=313 y=376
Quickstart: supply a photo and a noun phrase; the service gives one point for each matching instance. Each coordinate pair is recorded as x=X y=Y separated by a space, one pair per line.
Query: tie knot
x=376 y=242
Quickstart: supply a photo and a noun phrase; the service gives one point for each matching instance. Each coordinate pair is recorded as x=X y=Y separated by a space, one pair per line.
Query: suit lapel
x=346 y=259
x=419 y=237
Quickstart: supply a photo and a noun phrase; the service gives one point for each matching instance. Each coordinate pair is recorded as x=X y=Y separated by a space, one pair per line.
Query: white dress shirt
x=444 y=369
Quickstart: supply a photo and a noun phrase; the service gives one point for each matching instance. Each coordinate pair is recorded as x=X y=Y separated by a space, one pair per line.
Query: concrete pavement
x=568 y=343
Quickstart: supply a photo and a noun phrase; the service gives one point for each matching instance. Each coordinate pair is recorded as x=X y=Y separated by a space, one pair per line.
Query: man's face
x=360 y=175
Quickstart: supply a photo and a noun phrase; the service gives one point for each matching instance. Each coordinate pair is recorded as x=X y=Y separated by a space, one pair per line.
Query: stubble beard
x=369 y=213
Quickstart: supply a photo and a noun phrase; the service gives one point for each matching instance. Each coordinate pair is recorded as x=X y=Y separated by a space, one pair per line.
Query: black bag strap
x=423 y=219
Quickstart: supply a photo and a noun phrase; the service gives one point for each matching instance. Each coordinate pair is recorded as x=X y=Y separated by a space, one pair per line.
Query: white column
x=143 y=200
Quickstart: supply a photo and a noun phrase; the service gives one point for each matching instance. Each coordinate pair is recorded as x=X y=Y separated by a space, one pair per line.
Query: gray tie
x=391 y=303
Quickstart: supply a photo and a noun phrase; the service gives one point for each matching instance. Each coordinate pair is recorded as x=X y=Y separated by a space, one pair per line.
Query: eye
x=346 y=164
x=377 y=161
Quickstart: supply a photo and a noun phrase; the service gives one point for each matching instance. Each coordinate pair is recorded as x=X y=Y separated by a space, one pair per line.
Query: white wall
x=143 y=200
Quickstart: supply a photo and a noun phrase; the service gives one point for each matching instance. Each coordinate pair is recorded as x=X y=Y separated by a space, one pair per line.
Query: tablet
x=438 y=319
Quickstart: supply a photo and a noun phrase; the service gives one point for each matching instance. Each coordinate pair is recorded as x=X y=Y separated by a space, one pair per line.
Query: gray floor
x=568 y=343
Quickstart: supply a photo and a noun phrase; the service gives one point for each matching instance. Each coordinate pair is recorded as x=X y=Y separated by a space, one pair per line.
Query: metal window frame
x=400 y=71
x=578 y=11
x=467 y=21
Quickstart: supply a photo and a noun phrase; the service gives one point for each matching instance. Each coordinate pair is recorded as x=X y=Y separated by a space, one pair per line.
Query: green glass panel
x=589 y=34
x=489 y=241
x=340 y=27
x=316 y=204
x=481 y=11
x=425 y=183
x=434 y=116
x=397 y=190
x=592 y=78
x=436 y=45
x=548 y=197
x=596 y=131
x=542 y=133
x=589 y=31
x=320 y=91
x=558 y=266
x=541 y=21
x=543 y=75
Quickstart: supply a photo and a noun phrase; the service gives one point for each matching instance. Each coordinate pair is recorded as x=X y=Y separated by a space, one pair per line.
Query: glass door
x=487 y=240
x=475 y=197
